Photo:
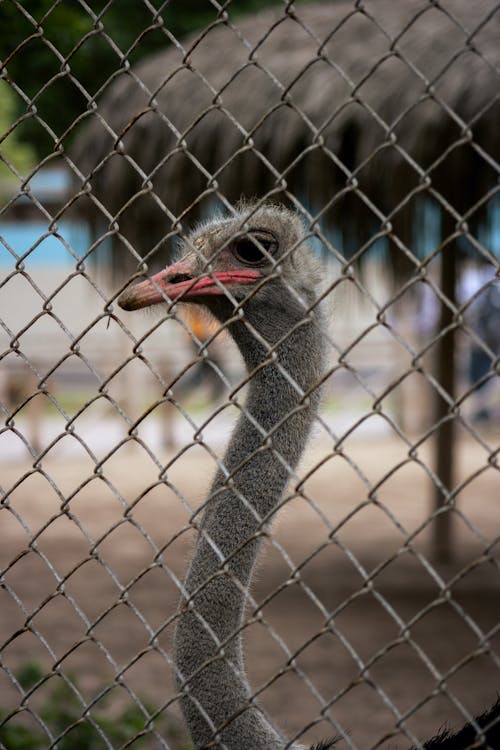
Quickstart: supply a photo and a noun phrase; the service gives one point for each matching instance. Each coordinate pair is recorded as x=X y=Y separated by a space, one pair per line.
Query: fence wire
x=351 y=300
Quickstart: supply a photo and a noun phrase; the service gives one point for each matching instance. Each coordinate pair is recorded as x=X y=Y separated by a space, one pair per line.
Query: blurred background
x=121 y=126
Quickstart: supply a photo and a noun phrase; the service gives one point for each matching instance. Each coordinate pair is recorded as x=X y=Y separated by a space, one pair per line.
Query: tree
x=15 y=157
x=60 y=57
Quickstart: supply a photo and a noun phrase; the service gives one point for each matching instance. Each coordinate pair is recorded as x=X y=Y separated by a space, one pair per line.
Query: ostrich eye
x=254 y=250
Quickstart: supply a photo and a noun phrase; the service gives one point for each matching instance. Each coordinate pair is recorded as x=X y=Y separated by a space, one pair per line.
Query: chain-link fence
x=327 y=409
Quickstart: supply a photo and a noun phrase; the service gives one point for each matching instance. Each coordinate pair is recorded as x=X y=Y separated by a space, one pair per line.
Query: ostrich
x=255 y=273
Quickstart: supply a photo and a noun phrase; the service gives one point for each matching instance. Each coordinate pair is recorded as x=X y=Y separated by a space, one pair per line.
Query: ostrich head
x=256 y=274
x=257 y=259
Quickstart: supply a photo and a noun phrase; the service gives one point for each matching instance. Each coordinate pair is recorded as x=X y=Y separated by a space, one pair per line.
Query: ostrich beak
x=179 y=282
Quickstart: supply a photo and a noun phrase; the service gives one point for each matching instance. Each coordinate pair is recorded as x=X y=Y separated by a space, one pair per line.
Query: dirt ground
x=92 y=564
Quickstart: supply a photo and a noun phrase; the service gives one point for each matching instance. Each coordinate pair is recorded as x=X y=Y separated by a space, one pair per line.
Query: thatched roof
x=396 y=92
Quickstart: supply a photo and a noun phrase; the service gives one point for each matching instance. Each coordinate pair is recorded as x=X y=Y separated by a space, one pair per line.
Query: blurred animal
x=256 y=274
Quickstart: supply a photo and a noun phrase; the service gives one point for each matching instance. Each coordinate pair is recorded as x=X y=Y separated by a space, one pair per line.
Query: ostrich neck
x=208 y=648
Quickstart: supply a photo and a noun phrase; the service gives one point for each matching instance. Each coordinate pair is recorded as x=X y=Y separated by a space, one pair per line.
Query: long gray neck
x=208 y=648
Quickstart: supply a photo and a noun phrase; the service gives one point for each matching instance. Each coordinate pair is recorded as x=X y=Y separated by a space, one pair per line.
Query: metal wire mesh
x=379 y=584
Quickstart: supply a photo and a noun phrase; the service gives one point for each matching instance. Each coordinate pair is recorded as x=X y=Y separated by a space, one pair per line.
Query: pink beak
x=177 y=281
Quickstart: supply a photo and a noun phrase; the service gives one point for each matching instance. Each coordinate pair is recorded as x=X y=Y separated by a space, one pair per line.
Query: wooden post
x=442 y=545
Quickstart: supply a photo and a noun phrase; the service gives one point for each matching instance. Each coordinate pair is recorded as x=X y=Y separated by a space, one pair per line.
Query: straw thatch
x=396 y=92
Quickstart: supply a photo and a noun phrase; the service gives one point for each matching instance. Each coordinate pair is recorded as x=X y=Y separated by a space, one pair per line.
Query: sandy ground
x=92 y=563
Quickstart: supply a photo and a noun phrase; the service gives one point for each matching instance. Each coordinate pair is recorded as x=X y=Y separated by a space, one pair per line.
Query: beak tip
x=126 y=300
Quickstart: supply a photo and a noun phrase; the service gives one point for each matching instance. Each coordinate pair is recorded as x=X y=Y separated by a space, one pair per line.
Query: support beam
x=442 y=543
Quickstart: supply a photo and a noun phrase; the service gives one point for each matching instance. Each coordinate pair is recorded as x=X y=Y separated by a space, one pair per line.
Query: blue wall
x=49 y=251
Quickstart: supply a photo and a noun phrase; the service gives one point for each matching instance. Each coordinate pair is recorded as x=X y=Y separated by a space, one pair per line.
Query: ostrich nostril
x=177 y=278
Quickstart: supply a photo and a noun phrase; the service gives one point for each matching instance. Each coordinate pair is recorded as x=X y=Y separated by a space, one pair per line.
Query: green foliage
x=61 y=713
x=19 y=155
x=59 y=57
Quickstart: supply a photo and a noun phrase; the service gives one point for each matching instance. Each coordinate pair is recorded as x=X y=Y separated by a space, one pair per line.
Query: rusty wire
x=43 y=576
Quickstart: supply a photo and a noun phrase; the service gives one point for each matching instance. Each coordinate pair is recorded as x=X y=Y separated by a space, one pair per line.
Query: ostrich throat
x=266 y=445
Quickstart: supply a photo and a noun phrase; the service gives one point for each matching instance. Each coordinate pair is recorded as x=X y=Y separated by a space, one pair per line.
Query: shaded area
x=361 y=114
x=364 y=117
